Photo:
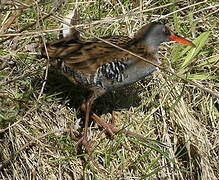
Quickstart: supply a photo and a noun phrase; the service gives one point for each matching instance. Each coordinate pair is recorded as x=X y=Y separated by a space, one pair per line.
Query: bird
x=101 y=67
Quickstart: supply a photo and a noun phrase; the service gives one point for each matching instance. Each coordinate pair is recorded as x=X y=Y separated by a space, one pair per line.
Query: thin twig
x=196 y=4
x=47 y=64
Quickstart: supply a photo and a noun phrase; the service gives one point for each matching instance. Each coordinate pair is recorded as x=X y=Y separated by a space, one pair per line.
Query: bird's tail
x=68 y=35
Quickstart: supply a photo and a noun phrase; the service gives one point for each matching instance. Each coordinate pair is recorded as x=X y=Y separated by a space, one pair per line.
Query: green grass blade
x=202 y=76
x=210 y=60
x=200 y=43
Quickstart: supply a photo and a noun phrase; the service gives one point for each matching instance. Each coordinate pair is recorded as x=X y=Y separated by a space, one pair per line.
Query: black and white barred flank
x=112 y=71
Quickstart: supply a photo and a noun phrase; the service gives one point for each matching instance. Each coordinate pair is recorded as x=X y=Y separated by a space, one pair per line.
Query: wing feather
x=88 y=56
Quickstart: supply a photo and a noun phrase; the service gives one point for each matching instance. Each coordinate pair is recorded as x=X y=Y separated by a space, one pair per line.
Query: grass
x=178 y=119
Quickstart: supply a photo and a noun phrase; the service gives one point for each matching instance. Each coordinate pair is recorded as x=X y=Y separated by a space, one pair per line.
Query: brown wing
x=87 y=56
x=61 y=48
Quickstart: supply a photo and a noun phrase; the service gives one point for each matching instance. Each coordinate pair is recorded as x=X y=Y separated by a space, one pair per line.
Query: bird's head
x=154 y=34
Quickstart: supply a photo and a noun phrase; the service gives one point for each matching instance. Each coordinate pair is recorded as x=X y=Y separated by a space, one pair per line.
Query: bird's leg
x=106 y=126
x=113 y=119
x=87 y=108
x=109 y=128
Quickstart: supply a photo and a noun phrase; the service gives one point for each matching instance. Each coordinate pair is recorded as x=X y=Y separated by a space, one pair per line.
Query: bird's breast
x=121 y=73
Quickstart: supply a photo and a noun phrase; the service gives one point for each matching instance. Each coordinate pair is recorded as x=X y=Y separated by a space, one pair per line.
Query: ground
x=176 y=113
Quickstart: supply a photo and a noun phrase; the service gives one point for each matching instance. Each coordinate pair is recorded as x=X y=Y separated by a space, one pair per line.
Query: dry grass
x=179 y=120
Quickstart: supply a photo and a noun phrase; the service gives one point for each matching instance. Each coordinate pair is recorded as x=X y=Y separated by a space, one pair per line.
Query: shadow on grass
x=76 y=94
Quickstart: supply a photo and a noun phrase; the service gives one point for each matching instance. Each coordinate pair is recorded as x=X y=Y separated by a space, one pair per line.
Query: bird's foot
x=108 y=127
x=84 y=142
x=111 y=130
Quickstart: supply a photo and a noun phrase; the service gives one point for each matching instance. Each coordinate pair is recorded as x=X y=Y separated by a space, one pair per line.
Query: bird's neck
x=145 y=46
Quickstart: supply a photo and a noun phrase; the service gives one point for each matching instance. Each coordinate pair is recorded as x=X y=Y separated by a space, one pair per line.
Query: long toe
x=111 y=130
x=84 y=142
x=106 y=126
